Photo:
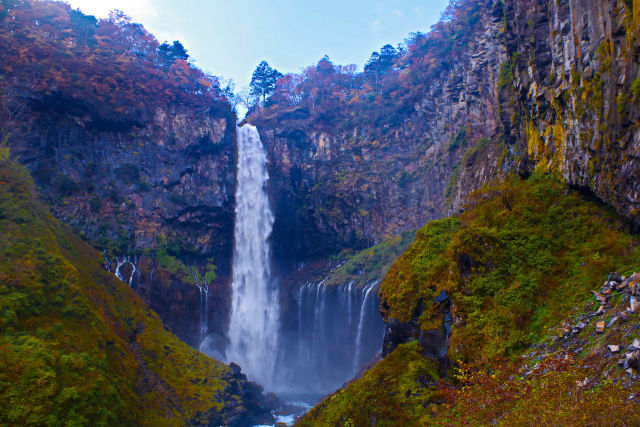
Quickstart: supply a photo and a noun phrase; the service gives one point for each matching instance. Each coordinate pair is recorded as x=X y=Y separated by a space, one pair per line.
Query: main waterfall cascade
x=253 y=329
x=338 y=328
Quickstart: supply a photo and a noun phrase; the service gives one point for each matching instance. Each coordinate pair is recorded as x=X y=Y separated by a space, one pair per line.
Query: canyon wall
x=541 y=84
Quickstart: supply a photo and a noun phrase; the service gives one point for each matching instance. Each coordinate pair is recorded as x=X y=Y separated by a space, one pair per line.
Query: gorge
x=448 y=236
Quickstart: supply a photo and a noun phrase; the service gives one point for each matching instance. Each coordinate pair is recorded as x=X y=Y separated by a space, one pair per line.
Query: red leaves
x=114 y=64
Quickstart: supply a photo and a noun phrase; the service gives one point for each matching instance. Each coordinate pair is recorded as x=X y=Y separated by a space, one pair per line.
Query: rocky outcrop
x=575 y=66
x=432 y=344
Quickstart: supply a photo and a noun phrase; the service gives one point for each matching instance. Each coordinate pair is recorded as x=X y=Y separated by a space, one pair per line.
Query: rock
x=600 y=311
x=615 y=277
x=634 y=305
x=612 y=321
x=629 y=371
x=606 y=291
x=621 y=286
x=599 y=296
x=634 y=346
x=600 y=327
x=613 y=348
x=581 y=325
x=398 y=332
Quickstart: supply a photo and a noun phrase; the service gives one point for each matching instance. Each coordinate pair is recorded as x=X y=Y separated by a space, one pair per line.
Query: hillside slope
x=475 y=291
x=78 y=347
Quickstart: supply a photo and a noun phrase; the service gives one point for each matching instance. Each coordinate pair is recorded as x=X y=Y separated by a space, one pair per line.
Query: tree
x=263 y=80
x=170 y=53
x=84 y=26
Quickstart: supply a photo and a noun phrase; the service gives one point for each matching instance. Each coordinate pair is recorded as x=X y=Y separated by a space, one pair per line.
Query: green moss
x=409 y=386
x=371 y=264
x=635 y=90
x=77 y=346
x=459 y=140
x=469 y=158
x=531 y=246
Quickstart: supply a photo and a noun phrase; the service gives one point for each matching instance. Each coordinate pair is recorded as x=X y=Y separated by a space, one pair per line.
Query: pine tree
x=263 y=80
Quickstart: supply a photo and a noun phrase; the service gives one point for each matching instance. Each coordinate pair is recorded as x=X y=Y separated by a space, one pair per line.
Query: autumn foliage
x=112 y=68
x=392 y=81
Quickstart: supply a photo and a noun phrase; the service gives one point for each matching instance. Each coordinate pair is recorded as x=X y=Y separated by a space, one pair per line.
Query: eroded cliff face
x=163 y=182
x=542 y=84
x=576 y=111
x=350 y=189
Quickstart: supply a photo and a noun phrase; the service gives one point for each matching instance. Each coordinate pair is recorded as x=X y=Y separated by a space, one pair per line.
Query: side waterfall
x=338 y=329
x=253 y=329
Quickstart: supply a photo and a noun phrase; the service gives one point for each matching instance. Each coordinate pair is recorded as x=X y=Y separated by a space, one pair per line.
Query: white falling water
x=356 y=357
x=253 y=330
x=204 y=315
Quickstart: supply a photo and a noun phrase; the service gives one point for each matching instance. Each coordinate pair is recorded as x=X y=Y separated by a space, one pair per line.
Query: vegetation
x=371 y=264
x=392 y=81
x=263 y=80
x=515 y=263
x=77 y=346
x=523 y=253
x=407 y=380
x=112 y=69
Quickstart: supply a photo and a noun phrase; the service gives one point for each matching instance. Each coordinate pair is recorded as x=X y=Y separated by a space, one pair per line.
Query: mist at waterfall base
x=327 y=332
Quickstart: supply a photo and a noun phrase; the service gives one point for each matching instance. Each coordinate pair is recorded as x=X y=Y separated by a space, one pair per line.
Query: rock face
x=542 y=85
x=167 y=181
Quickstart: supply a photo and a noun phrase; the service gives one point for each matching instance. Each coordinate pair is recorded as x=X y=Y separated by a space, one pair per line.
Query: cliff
x=495 y=87
x=132 y=148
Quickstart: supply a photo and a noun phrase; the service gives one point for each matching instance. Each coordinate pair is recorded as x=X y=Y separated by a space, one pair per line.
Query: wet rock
x=398 y=332
x=431 y=344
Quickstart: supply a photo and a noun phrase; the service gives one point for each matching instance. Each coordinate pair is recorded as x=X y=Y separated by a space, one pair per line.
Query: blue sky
x=228 y=38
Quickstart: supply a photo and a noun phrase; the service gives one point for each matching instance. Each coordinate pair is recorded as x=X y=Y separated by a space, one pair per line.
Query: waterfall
x=121 y=263
x=204 y=315
x=338 y=328
x=356 y=357
x=253 y=329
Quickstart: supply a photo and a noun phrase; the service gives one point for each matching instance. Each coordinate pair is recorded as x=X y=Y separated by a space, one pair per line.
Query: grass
x=371 y=264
